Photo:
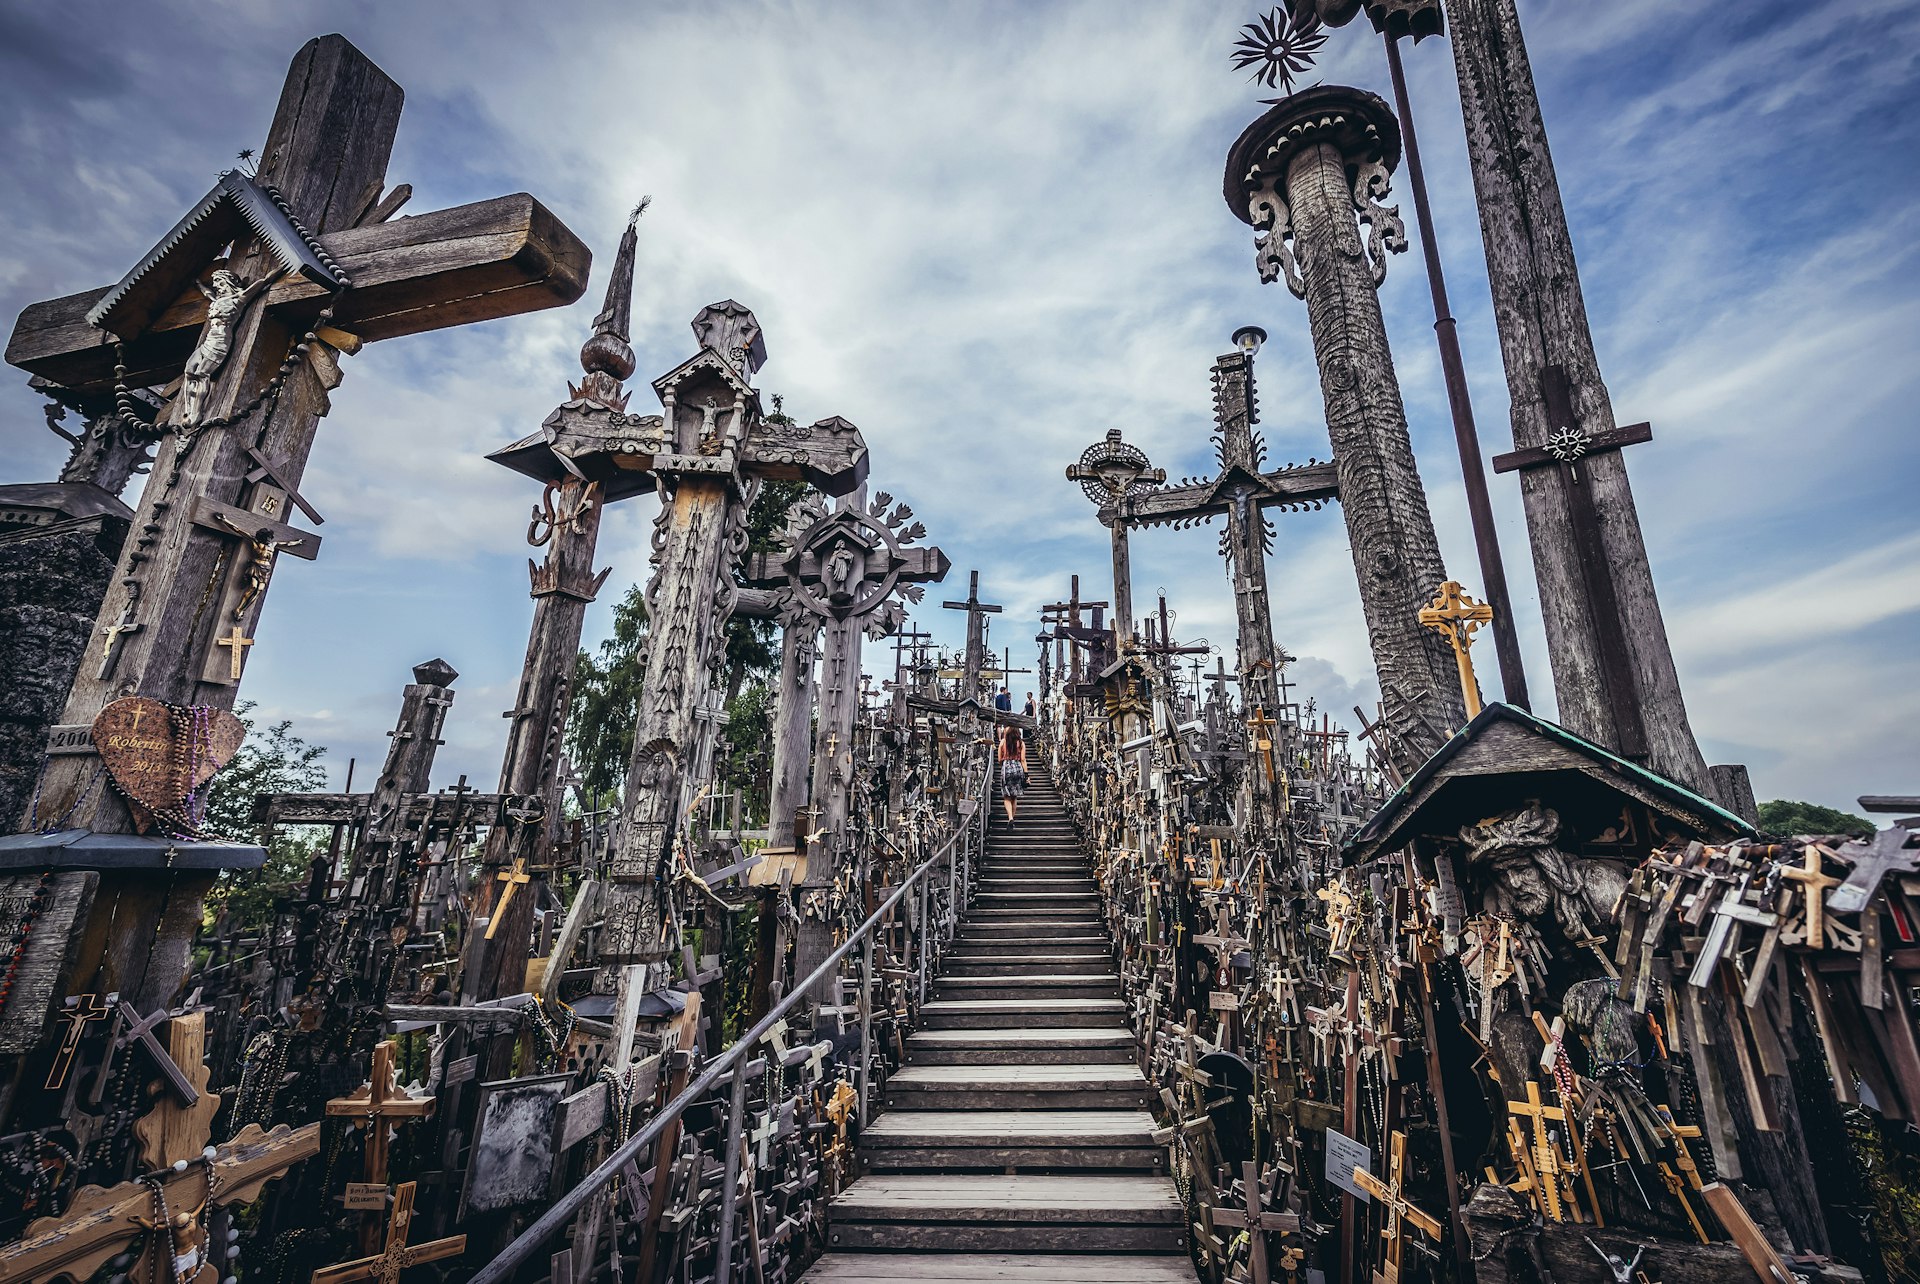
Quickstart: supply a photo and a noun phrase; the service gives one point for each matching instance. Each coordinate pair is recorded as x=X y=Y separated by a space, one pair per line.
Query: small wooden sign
x=366 y=1196
x=1223 y=1001
x=69 y=738
x=156 y=759
x=582 y=1114
x=462 y=1069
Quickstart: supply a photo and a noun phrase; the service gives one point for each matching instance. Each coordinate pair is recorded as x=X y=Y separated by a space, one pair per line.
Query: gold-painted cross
x=1458 y=616
x=378 y=1100
x=1400 y=1211
x=237 y=641
x=398 y=1255
x=513 y=878
x=1556 y=1184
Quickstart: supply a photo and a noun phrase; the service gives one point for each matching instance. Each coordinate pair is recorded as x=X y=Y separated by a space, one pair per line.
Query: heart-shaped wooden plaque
x=158 y=753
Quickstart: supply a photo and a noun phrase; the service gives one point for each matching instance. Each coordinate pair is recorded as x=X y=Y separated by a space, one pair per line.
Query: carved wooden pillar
x=1300 y=174
x=792 y=719
x=1612 y=666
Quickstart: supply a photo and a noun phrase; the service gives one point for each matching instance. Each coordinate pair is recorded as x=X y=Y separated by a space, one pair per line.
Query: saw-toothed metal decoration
x=1278 y=48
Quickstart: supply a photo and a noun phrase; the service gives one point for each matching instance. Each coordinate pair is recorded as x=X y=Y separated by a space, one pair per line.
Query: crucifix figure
x=265 y=548
x=1456 y=617
x=315 y=212
x=1301 y=175
x=81 y=1011
x=385 y=1267
x=1109 y=471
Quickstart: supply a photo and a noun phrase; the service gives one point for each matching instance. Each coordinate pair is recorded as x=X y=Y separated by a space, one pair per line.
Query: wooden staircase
x=1015 y=1144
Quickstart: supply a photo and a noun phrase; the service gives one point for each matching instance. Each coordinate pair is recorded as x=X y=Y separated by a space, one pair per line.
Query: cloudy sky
x=987 y=233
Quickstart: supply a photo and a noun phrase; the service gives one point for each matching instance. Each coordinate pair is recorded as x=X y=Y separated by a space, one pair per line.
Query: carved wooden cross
x=377 y=1101
x=1400 y=1211
x=1256 y=1221
x=711 y=477
x=99 y=1224
x=1872 y=858
x=1458 y=617
x=319 y=190
x=1556 y=1186
x=139 y=1029
x=1109 y=471
x=385 y=1267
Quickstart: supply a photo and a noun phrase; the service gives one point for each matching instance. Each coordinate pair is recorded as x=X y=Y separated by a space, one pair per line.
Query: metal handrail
x=551 y=1222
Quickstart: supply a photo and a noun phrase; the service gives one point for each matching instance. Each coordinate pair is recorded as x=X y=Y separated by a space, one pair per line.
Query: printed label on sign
x=1344 y=1154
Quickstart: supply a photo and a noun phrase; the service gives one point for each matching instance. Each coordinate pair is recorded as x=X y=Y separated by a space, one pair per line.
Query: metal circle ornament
x=1112 y=469
x=845 y=565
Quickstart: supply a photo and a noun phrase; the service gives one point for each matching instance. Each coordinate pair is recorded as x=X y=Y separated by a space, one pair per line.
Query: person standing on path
x=1012 y=753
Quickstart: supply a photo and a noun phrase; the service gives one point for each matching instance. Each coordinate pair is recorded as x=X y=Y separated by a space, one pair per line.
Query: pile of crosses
x=467 y=1004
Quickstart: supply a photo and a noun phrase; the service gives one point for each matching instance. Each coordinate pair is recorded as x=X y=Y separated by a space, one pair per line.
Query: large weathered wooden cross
x=258 y=367
x=847 y=570
x=976 y=654
x=1242 y=491
x=708 y=453
x=1256 y=1221
x=1400 y=1211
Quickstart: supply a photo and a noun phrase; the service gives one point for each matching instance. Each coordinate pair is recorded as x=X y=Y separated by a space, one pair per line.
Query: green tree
x=272 y=760
x=1785 y=817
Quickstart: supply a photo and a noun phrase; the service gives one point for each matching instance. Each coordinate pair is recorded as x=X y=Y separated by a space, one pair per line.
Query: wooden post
x=1302 y=172
x=1590 y=597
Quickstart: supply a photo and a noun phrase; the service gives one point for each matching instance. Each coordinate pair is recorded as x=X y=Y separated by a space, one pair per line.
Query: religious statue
x=266 y=549
x=225 y=302
x=1527 y=875
x=838 y=573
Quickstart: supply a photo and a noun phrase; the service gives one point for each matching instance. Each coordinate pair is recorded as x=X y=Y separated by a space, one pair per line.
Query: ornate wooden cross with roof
x=707 y=455
x=305 y=266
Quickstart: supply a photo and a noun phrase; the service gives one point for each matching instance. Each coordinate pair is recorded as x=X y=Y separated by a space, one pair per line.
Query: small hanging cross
x=81 y=1010
x=1458 y=616
x=237 y=641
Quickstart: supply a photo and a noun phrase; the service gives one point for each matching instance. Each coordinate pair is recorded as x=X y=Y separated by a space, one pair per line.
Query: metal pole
x=729 y=1191
x=1486 y=539
x=863 y=1070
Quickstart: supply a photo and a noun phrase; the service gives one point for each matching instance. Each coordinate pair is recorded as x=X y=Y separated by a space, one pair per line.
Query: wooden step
x=1085 y=1086
x=954 y=1212
x=1063 y=933
x=1003 y=1139
x=1091 y=963
x=1059 y=1045
x=1057 y=914
x=1028 y=987
x=991 y=1014
x=996 y=1268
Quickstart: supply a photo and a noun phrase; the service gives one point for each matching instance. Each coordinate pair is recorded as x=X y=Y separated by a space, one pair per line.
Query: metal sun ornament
x=1278 y=49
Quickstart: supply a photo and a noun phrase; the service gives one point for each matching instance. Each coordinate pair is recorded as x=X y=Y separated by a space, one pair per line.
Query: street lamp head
x=1248 y=339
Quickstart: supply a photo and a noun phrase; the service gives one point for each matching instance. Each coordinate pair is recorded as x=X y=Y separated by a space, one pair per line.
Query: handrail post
x=864 y=1070
x=926 y=938
x=729 y=1191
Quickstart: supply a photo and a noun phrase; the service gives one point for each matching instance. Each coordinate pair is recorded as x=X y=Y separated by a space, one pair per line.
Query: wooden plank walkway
x=1016 y=1143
